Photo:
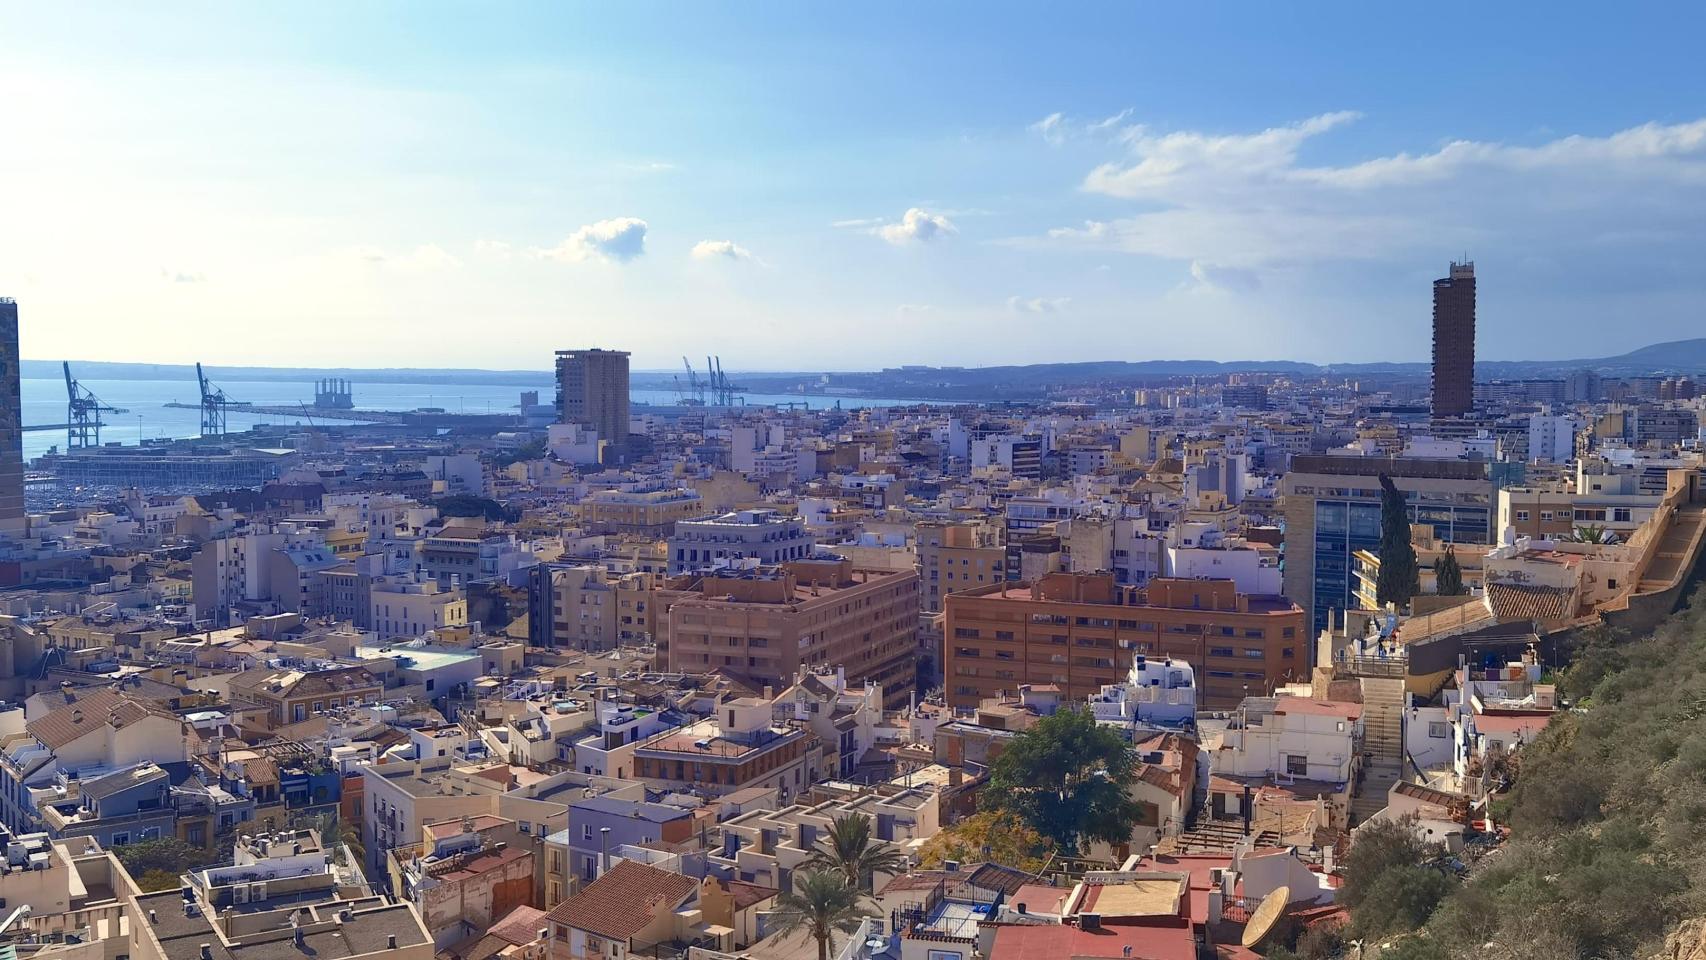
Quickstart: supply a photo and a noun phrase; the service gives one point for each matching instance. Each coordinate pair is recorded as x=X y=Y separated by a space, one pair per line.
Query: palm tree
x=848 y=849
x=821 y=903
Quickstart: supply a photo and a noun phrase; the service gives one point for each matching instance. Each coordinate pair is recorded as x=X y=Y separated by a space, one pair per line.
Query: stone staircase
x=1383 y=742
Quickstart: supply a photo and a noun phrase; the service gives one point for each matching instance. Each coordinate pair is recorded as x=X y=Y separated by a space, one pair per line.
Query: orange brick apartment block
x=1080 y=631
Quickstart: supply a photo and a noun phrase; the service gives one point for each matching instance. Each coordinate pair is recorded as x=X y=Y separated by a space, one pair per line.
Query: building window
x=1296 y=766
x=1439 y=729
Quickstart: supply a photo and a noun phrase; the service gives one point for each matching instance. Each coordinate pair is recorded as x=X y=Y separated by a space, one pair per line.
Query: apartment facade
x=766 y=536
x=1080 y=632
x=642 y=513
x=592 y=390
x=1332 y=510
x=764 y=625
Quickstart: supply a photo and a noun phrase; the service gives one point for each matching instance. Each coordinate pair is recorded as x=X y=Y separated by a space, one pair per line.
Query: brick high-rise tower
x=592 y=389
x=1454 y=342
x=11 y=424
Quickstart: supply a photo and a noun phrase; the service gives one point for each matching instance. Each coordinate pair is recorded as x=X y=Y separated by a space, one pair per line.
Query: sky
x=802 y=186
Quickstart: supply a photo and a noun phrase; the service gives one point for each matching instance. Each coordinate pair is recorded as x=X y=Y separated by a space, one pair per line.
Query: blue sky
x=807 y=186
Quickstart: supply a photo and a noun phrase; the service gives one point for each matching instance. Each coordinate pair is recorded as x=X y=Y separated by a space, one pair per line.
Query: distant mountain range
x=1674 y=357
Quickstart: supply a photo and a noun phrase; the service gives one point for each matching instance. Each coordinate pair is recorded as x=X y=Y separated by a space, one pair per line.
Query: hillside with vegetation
x=1607 y=856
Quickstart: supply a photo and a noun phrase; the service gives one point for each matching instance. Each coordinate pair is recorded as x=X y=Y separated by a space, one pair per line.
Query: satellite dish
x=1267 y=916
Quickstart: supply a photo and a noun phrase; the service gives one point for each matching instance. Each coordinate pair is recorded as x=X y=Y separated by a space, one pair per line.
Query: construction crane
x=83 y=414
x=213 y=405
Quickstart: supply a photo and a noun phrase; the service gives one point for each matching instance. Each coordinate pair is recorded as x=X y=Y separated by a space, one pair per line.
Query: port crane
x=83 y=414
x=214 y=403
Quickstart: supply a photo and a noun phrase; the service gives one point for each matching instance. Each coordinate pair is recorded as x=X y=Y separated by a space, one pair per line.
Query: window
x=1522 y=516
x=1439 y=729
x=1620 y=515
x=121 y=838
x=1297 y=766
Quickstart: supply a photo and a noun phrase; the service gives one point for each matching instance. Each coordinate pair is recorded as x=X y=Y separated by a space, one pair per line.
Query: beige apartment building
x=954 y=557
x=649 y=513
x=762 y=625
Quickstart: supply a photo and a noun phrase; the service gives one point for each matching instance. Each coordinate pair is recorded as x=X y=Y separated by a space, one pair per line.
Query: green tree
x=821 y=903
x=1591 y=533
x=999 y=837
x=1381 y=847
x=1067 y=778
x=848 y=848
x=153 y=881
x=1400 y=575
x=1448 y=576
x=167 y=855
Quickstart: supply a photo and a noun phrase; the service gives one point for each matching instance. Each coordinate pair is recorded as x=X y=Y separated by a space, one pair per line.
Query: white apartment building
x=1157 y=693
x=1292 y=738
x=1552 y=437
x=766 y=536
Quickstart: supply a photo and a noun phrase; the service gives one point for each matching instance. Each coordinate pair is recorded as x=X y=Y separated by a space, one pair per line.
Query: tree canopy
x=849 y=848
x=821 y=903
x=997 y=836
x=1066 y=778
x=1448 y=575
x=1400 y=575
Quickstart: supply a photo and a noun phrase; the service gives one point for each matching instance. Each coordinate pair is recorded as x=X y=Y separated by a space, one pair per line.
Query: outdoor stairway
x=1383 y=744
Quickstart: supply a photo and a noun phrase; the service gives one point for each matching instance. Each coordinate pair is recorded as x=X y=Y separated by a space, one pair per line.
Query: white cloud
x=917 y=225
x=1219 y=277
x=427 y=258
x=619 y=239
x=1238 y=205
x=649 y=166
x=861 y=222
x=913 y=309
x=1057 y=128
x=1037 y=304
x=183 y=276
x=493 y=249
x=1159 y=162
x=722 y=250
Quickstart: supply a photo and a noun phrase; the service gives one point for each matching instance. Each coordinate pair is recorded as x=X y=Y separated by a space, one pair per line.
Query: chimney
x=604 y=838
x=207 y=951
x=1246 y=809
x=390 y=941
x=1090 y=922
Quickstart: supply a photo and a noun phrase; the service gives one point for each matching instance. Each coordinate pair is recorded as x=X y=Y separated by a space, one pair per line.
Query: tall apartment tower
x=1454 y=342
x=11 y=424
x=592 y=390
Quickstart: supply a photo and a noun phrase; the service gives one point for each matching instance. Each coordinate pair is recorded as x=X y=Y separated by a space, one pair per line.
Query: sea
x=146 y=415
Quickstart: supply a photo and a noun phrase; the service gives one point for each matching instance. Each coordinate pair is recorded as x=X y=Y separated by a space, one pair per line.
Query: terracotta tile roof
x=1521 y=601
x=86 y=713
x=747 y=894
x=622 y=902
x=521 y=925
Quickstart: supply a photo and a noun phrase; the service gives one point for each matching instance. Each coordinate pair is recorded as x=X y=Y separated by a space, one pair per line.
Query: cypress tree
x=1448 y=576
x=1400 y=575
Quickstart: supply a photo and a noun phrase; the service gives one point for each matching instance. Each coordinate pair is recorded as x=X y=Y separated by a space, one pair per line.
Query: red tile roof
x=622 y=902
x=521 y=925
x=1522 y=601
x=1055 y=941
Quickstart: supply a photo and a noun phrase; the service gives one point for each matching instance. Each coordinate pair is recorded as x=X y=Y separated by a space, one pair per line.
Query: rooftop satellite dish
x=1267 y=916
